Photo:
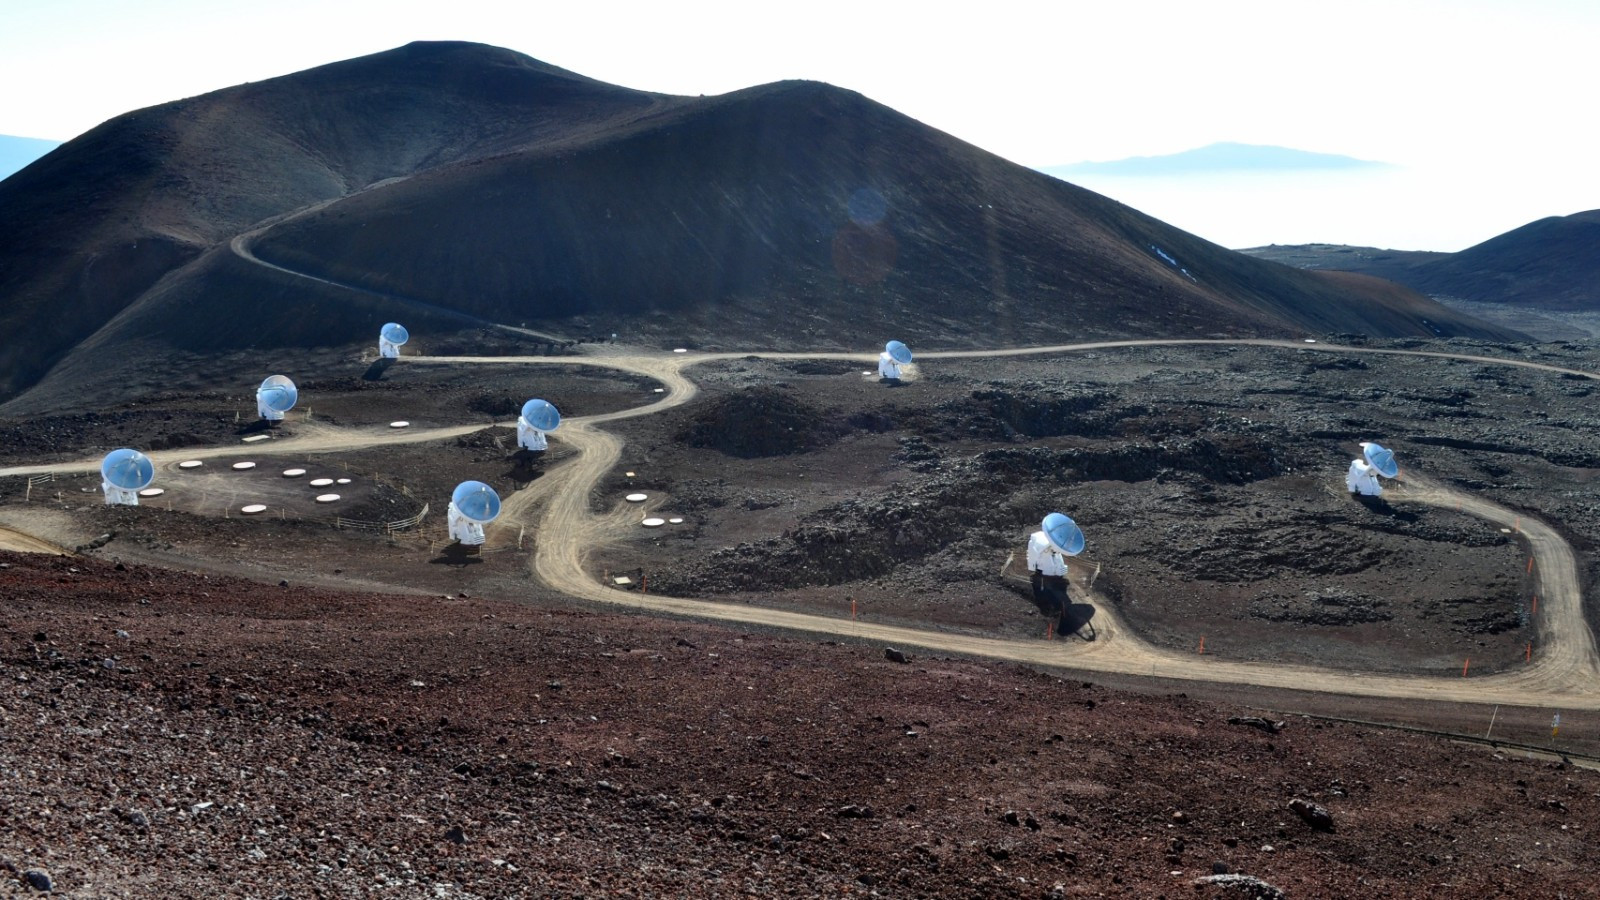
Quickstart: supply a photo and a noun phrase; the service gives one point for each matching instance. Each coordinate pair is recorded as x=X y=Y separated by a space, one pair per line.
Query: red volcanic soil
x=168 y=733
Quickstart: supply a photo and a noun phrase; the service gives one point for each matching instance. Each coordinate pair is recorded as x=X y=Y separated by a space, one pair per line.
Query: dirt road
x=1565 y=671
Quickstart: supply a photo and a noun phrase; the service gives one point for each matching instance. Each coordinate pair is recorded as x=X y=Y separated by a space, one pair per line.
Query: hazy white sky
x=1488 y=106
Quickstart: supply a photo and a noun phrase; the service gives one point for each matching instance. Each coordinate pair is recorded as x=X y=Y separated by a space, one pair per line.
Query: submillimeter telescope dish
x=476 y=501
x=127 y=469
x=278 y=393
x=395 y=333
x=541 y=414
x=1381 y=459
x=1064 y=534
x=898 y=352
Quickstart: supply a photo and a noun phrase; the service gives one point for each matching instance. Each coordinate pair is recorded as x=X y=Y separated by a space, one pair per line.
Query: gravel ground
x=164 y=733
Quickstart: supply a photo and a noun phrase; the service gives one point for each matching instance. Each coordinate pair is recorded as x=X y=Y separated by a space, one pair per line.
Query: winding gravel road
x=1564 y=674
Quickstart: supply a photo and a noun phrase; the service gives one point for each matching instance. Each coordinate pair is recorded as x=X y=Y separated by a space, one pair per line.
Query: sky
x=1485 y=109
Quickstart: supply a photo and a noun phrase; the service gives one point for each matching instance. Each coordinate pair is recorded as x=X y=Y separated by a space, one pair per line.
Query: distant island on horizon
x=16 y=153
x=1220 y=157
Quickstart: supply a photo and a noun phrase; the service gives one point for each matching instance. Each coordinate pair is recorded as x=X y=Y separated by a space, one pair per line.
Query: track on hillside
x=1566 y=673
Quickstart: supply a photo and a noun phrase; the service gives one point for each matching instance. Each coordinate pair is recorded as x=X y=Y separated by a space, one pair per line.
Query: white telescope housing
x=529 y=437
x=462 y=528
x=390 y=337
x=123 y=473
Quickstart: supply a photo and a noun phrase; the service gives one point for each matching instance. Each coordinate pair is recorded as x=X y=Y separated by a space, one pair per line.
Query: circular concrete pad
x=152 y=492
x=401 y=424
x=675 y=520
x=253 y=509
x=190 y=464
x=244 y=465
x=637 y=498
x=653 y=522
x=321 y=482
x=293 y=473
x=344 y=481
x=327 y=498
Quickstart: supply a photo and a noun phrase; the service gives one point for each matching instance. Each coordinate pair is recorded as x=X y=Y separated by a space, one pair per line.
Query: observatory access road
x=1565 y=674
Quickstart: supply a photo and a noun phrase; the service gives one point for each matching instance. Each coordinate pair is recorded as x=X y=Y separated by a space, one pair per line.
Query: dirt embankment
x=213 y=736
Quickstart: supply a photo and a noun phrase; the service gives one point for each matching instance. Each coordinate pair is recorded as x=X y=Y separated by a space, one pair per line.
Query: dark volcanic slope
x=823 y=203
x=97 y=222
x=1551 y=264
x=477 y=180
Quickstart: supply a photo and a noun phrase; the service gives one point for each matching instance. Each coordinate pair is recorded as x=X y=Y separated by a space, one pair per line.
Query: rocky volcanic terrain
x=168 y=734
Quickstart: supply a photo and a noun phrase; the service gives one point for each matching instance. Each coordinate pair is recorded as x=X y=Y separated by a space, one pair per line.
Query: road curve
x=1565 y=673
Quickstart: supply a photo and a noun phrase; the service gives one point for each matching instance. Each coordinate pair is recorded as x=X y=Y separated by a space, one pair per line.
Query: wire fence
x=405 y=524
x=36 y=480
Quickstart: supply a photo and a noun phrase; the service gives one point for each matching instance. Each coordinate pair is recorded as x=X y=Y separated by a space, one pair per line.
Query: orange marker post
x=852 y=609
x=1530 y=565
x=1202 y=645
x=1464 y=667
x=1049 y=631
x=1536 y=604
x=1528 y=656
x=644 y=584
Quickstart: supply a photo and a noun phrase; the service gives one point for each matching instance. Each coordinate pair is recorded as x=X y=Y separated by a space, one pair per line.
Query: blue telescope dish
x=898 y=352
x=541 y=414
x=279 y=393
x=1064 y=534
x=395 y=333
x=127 y=469
x=477 y=501
x=1381 y=459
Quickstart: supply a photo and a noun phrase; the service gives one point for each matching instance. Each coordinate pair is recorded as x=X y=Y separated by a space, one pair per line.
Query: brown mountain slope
x=476 y=181
x=95 y=223
x=1551 y=264
x=718 y=211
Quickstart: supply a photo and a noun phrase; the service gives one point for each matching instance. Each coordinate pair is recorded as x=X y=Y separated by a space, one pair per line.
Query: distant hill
x=16 y=152
x=448 y=184
x=1217 y=158
x=1551 y=264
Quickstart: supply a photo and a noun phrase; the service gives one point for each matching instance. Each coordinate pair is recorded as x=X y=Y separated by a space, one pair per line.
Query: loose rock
x=1313 y=814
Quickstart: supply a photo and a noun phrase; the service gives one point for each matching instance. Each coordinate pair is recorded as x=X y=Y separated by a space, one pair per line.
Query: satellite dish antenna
x=894 y=355
x=473 y=505
x=275 y=397
x=123 y=473
x=1063 y=533
x=538 y=417
x=390 y=337
x=1381 y=459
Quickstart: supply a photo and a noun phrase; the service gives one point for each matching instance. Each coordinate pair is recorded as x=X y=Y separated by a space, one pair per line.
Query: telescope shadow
x=525 y=468
x=458 y=555
x=1076 y=619
x=375 y=371
x=1381 y=507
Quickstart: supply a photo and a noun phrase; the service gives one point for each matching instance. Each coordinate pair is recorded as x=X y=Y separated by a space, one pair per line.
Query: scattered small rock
x=1243 y=885
x=852 y=811
x=39 y=880
x=456 y=835
x=895 y=656
x=1313 y=814
x=1267 y=725
x=1219 y=868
